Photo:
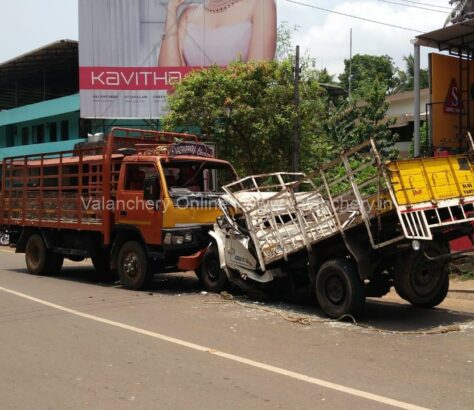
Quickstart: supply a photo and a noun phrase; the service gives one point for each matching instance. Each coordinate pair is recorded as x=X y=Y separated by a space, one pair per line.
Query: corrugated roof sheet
x=456 y=37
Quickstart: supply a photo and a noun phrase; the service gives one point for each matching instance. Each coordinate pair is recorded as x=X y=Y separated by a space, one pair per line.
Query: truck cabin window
x=135 y=176
x=197 y=177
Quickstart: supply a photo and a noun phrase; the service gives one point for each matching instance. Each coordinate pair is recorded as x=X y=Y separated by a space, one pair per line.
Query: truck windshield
x=188 y=176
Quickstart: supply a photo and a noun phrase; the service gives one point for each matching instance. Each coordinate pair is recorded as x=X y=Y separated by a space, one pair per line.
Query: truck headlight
x=188 y=237
x=167 y=239
x=178 y=239
x=416 y=245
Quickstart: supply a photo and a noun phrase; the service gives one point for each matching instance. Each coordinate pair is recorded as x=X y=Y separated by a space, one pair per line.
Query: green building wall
x=53 y=125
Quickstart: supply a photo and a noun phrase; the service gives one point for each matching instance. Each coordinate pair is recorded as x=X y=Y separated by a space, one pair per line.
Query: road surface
x=71 y=342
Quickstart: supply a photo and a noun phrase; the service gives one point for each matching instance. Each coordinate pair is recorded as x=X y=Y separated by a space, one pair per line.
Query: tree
x=424 y=142
x=284 y=47
x=462 y=10
x=351 y=122
x=248 y=111
x=324 y=77
x=367 y=68
x=406 y=79
x=285 y=50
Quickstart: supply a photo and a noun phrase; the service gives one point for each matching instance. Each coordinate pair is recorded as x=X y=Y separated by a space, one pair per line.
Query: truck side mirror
x=152 y=189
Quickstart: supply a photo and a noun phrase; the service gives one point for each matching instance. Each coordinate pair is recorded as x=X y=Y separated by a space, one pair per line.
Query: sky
x=29 y=24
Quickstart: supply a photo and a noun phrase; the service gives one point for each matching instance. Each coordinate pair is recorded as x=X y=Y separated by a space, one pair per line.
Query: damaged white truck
x=352 y=229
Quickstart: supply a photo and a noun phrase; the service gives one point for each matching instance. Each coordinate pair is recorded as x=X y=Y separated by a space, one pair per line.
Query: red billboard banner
x=132 y=52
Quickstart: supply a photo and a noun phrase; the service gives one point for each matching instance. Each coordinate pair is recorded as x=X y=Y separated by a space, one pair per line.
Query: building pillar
x=416 y=109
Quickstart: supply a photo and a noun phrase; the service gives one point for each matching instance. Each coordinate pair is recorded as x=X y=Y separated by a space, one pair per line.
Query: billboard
x=131 y=52
x=448 y=102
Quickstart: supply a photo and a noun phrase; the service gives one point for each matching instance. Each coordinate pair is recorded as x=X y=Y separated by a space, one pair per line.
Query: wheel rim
x=131 y=266
x=213 y=270
x=335 y=290
x=426 y=279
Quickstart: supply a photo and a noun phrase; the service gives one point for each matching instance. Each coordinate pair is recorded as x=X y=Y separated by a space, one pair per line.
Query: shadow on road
x=380 y=314
x=404 y=317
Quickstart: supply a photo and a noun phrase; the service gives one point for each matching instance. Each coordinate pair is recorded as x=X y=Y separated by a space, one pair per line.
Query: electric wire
x=413 y=7
x=226 y=298
x=354 y=17
x=447 y=8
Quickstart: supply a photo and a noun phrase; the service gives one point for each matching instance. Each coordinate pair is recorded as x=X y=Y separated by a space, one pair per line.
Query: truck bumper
x=191 y=262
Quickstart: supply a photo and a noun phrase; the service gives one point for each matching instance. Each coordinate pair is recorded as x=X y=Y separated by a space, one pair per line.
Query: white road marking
x=228 y=356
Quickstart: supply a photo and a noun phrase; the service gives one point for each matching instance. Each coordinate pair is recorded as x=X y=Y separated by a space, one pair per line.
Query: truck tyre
x=213 y=278
x=133 y=268
x=421 y=282
x=39 y=260
x=339 y=289
x=198 y=272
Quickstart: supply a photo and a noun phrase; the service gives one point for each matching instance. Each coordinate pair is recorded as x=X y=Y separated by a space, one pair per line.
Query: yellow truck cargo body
x=421 y=180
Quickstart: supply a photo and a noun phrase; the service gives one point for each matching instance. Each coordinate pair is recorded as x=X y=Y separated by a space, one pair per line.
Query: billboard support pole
x=296 y=130
x=416 y=108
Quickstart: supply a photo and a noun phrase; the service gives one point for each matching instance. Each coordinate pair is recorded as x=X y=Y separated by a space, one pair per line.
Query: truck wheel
x=133 y=269
x=212 y=276
x=39 y=260
x=339 y=289
x=421 y=282
x=4 y=239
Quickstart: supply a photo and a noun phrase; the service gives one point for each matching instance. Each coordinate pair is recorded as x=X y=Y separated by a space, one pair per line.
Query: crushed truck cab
x=139 y=203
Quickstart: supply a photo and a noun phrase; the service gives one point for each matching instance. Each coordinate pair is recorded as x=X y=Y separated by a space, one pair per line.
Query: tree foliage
x=406 y=78
x=248 y=111
x=366 y=69
x=351 y=122
x=285 y=48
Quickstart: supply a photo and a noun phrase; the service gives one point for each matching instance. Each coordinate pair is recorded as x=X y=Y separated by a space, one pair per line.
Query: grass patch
x=462 y=271
x=466 y=276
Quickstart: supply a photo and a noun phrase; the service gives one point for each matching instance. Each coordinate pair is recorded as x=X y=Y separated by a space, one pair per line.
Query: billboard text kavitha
x=131 y=52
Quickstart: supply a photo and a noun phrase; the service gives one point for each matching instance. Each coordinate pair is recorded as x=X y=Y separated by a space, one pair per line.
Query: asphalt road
x=70 y=342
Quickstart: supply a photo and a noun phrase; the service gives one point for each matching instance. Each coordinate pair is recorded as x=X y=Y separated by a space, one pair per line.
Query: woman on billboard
x=218 y=32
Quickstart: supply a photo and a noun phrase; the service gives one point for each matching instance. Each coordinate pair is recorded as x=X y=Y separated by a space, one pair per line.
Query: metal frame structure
x=458 y=40
x=358 y=189
x=281 y=219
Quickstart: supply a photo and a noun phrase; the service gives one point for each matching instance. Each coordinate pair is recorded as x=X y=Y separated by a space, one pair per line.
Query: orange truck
x=139 y=203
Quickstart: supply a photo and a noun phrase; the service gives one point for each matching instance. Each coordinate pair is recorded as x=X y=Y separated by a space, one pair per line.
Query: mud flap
x=360 y=248
x=191 y=262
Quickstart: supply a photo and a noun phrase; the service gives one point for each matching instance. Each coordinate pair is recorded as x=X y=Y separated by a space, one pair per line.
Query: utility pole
x=296 y=99
x=350 y=63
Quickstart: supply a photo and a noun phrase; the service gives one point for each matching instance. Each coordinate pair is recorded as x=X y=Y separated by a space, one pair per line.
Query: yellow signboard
x=448 y=101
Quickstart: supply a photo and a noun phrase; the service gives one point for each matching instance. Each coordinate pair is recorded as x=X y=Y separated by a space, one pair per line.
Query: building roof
x=453 y=38
x=44 y=109
x=48 y=72
x=334 y=90
x=407 y=95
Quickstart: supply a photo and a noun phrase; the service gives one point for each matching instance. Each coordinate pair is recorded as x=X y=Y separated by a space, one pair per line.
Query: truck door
x=133 y=209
